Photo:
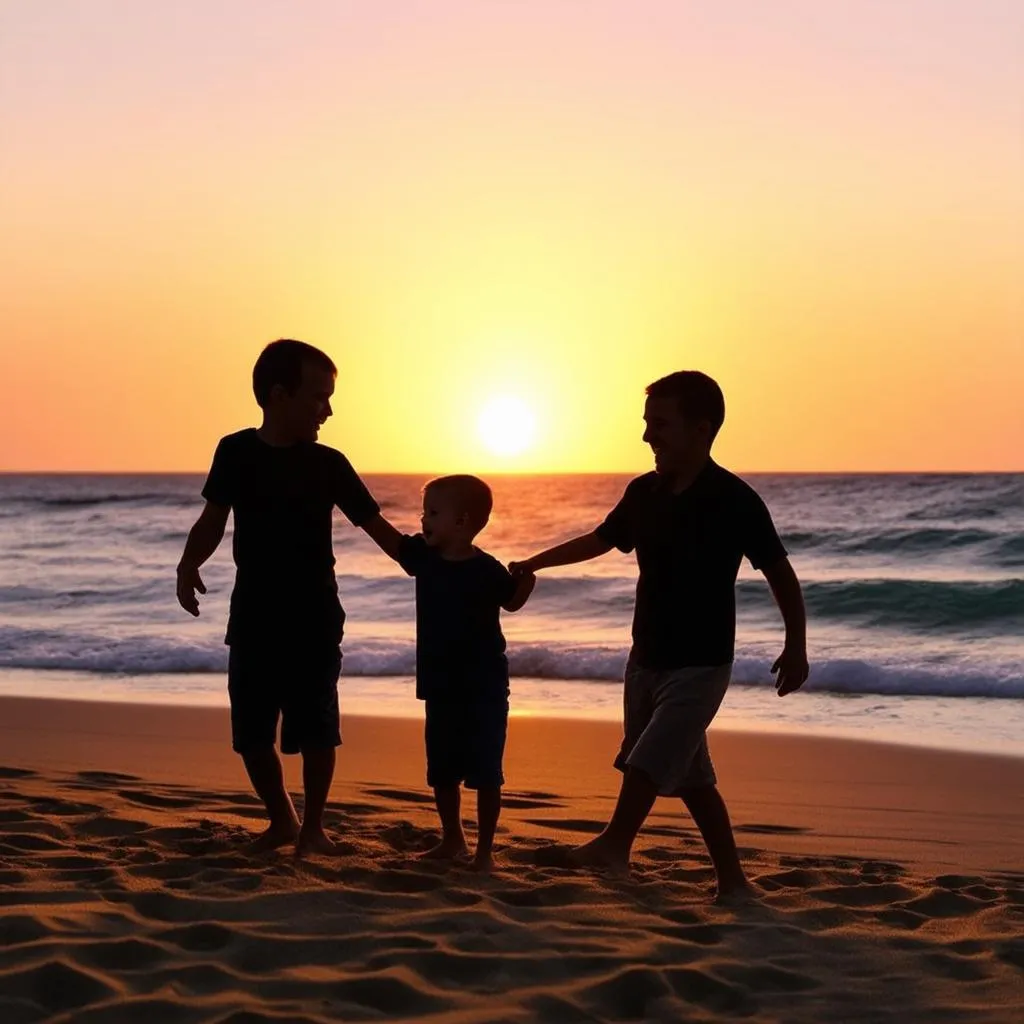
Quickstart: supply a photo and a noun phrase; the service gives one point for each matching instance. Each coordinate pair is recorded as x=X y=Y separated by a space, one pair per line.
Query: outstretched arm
x=579 y=549
x=791 y=665
x=384 y=535
x=202 y=541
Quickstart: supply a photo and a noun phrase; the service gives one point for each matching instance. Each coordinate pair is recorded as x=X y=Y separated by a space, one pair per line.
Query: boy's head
x=683 y=414
x=455 y=508
x=293 y=383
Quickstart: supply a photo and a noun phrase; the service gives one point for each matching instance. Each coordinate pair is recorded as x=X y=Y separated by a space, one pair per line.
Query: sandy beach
x=892 y=878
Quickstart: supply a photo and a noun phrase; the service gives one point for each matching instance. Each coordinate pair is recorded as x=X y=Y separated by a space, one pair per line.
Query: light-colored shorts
x=667 y=713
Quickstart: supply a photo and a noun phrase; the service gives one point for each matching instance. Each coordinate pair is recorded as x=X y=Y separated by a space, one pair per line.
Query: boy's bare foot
x=273 y=838
x=316 y=841
x=482 y=863
x=739 y=895
x=447 y=849
x=598 y=854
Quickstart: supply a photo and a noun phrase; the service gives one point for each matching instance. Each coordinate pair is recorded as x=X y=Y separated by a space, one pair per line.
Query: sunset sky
x=819 y=202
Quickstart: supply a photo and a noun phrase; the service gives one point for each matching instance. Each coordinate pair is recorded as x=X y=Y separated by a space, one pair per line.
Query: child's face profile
x=440 y=521
x=301 y=413
x=674 y=440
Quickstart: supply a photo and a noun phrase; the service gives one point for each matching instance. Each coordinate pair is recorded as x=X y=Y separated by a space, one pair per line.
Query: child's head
x=293 y=383
x=455 y=508
x=683 y=414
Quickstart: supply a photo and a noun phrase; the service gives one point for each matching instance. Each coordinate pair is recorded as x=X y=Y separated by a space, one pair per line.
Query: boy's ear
x=277 y=392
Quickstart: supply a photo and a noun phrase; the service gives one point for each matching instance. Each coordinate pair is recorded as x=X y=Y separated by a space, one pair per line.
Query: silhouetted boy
x=285 y=624
x=691 y=523
x=461 y=668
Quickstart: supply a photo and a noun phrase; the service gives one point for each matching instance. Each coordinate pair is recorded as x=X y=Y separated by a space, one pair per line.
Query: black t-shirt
x=689 y=547
x=460 y=649
x=283 y=500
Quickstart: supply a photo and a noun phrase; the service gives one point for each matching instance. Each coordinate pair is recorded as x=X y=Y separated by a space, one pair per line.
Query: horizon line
x=541 y=472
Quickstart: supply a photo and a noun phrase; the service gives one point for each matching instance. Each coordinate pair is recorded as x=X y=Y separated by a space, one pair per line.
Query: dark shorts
x=466 y=742
x=297 y=686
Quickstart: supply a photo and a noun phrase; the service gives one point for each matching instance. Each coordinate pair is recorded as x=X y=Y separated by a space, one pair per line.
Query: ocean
x=914 y=586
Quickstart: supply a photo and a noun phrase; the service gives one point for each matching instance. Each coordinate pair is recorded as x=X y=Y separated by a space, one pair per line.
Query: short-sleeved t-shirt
x=688 y=548
x=283 y=500
x=460 y=649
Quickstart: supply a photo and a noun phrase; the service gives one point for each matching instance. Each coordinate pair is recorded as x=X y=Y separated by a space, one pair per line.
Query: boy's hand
x=521 y=568
x=792 y=670
x=525 y=582
x=189 y=581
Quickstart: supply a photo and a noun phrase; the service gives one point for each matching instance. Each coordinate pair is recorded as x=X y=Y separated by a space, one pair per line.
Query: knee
x=258 y=754
x=700 y=796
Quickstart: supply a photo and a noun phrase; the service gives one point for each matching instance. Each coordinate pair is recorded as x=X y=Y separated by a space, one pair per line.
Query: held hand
x=520 y=568
x=792 y=670
x=189 y=581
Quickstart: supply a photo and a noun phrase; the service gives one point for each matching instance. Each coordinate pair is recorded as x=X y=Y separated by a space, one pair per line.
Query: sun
x=506 y=425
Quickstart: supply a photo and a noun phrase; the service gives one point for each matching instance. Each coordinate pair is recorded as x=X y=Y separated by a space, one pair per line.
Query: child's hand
x=189 y=581
x=525 y=581
x=790 y=670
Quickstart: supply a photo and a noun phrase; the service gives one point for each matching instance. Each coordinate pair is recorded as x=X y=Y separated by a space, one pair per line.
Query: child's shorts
x=466 y=742
x=667 y=713
x=299 y=685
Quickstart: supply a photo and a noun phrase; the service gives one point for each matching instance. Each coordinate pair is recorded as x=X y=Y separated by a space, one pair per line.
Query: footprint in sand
x=410 y=796
x=106 y=778
x=522 y=803
x=110 y=827
x=57 y=987
x=586 y=825
x=772 y=830
x=155 y=799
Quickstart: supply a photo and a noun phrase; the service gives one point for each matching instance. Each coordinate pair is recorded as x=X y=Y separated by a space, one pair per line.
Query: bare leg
x=611 y=848
x=317 y=775
x=449 y=809
x=711 y=816
x=488 y=808
x=267 y=778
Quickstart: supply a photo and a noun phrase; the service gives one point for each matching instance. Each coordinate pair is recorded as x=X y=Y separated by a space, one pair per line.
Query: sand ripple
x=122 y=901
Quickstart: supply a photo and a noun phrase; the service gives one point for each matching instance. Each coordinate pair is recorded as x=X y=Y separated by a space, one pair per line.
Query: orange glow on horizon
x=508 y=200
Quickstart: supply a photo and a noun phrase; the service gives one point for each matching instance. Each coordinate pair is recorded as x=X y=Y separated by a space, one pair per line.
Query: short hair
x=698 y=395
x=281 y=363
x=471 y=495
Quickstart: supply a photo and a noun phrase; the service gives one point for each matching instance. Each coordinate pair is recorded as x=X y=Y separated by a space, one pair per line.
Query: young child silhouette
x=461 y=668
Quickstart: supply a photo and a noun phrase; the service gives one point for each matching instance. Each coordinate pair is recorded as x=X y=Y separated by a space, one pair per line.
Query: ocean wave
x=983 y=507
x=16 y=502
x=918 y=605
x=900 y=541
x=1009 y=551
x=145 y=655
x=853 y=676
x=73 y=501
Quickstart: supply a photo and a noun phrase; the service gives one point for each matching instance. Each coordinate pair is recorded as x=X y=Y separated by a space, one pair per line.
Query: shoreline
x=955 y=724
x=819 y=792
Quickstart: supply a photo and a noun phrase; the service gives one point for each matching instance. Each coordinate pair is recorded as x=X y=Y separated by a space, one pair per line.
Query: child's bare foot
x=273 y=838
x=482 y=863
x=598 y=854
x=315 y=841
x=739 y=895
x=447 y=849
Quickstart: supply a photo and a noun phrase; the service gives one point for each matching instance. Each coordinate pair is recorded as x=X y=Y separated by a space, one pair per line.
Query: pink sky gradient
x=822 y=203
